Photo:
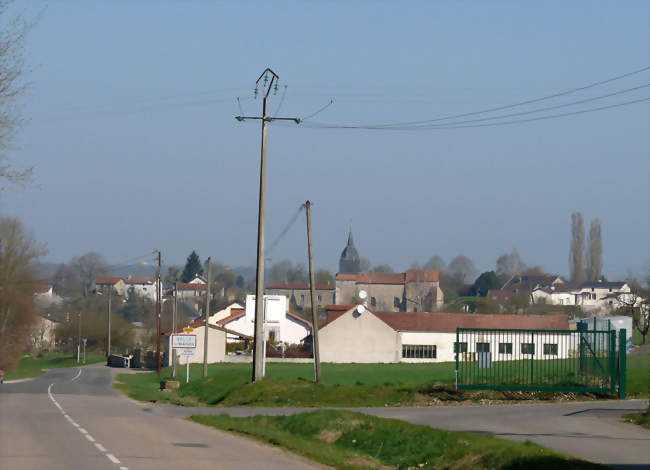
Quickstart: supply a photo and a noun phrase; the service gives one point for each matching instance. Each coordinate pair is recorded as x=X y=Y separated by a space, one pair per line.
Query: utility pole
x=108 y=340
x=174 y=327
x=159 y=302
x=207 y=317
x=79 y=340
x=312 y=288
x=266 y=85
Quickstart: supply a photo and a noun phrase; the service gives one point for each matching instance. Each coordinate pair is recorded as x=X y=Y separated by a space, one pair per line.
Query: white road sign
x=184 y=341
x=187 y=352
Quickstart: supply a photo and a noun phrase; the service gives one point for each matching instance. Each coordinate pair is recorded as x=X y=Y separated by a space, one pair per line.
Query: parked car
x=2 y=376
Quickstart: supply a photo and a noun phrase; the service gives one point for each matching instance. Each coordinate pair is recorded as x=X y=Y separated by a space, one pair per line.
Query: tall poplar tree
x=577 y=250
x=595 y=254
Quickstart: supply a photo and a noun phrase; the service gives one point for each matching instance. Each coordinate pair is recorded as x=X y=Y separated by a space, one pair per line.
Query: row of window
x=419 y=351
x=550 y=349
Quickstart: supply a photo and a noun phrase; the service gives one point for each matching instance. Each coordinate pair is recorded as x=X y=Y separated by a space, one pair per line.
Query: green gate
x=539 y=360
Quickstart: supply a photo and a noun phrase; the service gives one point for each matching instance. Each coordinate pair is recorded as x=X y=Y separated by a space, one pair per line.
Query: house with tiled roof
x=289 y=329
x=593 y=297
x=142 y=286
x=416 y=290
x=353 y=333
x=117 y=284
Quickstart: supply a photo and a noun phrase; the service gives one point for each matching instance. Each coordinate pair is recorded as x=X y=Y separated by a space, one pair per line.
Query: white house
x=143 y=286
x=358 y=335
x=591 y=296
x=290 y=329
x=225 y=312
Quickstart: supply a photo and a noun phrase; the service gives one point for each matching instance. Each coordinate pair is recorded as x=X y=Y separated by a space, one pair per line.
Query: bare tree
x=435 y=262
x=638 y=309
x=462 y=269
x=18 y=282
x=595 y=255
x=88 y=268
x=510 y=264
x=577 y=250
x=13 y=30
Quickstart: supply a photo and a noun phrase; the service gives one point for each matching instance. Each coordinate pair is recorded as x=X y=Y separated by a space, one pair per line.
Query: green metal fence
x=538 y=360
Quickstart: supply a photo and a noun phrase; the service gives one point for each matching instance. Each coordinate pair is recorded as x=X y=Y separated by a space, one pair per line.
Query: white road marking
x=77 y=376
x=100 y=447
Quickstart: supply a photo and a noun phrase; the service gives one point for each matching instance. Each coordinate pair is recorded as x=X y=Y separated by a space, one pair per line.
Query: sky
x=131 y=127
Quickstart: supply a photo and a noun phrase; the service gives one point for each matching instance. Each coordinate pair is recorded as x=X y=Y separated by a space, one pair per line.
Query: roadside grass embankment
x=343 y=385
x=32 y=366
x=349 y=440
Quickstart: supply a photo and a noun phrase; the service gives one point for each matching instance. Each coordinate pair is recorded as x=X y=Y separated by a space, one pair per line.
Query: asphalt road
x=83 y=423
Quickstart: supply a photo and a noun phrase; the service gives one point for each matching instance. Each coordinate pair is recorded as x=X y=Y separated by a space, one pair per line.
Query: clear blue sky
x=132 y=131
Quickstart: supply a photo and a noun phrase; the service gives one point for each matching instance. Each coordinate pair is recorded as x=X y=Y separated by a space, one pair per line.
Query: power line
x=521 y=103
x=539 y=110
x=518 y=121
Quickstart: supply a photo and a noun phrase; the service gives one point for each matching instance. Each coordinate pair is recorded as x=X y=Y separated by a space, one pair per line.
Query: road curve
x=73 y=419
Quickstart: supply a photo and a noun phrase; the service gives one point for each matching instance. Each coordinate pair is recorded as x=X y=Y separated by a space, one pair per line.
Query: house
x=45 y=296
x=216 y=342
x=299 y=293
x=415 y=290
x=591 y=296
x=290 y=329
x=353 y=334
x=143 y=286
x=116 y=284
x=191 y=290
x=224 y=312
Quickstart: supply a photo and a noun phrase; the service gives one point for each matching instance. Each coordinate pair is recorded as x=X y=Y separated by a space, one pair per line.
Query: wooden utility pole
x=312 y=288
x=108 y=339
x=258 y=338
x=159 y=302
x=207 y=317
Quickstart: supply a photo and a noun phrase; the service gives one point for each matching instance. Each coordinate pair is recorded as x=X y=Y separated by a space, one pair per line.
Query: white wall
x=290 y=331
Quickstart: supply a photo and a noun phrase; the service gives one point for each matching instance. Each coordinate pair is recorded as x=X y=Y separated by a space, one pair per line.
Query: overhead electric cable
x=521 y=103
x=522 y=113
x=517 y=121
x=317 y=112
x=284 y=230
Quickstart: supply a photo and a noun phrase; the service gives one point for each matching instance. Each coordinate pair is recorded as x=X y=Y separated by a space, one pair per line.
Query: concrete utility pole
x=207 y=317
x=159 y=302
x=266 y=86
x=79 y=340
x=312 y=287
x=108 y=340
x=174 y=327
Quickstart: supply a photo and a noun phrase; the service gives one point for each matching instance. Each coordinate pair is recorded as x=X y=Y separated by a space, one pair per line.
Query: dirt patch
x=330 y=436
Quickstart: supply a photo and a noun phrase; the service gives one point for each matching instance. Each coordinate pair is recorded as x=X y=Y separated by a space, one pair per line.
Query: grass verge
x=348 y=440
x=31 y=366
x=343 y=385
x=642 y=419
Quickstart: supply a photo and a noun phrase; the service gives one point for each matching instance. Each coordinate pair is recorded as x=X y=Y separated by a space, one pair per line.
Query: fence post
x=582 y=327
x=622 y=363
x=612 y=360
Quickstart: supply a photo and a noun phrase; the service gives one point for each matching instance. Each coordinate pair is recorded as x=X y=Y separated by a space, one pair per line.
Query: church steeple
x=350 y=263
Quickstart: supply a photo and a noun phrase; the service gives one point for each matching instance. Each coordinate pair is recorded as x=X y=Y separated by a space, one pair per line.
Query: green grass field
x=348 y=440
x=343 y=385
x=31 y=366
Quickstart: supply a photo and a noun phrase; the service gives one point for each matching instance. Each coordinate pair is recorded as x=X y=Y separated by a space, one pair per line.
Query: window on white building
x=550 y=349
x=373 y=302
x=527 y=348
x=505 y=348
x=419 y=351
x=482 y=347
x=463 y=347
